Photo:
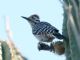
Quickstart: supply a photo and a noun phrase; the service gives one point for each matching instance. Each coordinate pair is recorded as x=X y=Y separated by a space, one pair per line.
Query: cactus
x=7 y=54
x=5 y=51
x=71 y=29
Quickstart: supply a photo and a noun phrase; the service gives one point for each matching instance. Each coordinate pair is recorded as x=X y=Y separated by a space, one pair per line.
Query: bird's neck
x=32 y=25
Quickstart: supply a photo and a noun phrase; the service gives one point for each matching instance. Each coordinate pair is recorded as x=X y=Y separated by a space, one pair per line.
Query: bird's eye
x=37 y=20
x=32 y=17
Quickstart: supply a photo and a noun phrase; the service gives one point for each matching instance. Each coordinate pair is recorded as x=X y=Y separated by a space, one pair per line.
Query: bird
x=43 y=31
x=57 y=47
x=43 y=46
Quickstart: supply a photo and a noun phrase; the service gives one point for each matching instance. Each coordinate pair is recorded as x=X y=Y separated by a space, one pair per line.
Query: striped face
x=34 y=18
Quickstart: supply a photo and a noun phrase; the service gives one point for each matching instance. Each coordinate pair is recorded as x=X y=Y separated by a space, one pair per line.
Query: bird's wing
x=44 y=28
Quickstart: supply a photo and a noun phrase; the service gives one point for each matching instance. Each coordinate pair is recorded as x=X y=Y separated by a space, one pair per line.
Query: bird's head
x=33 y=19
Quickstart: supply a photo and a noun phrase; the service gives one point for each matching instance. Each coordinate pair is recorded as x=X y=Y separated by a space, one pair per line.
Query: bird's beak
x=25 y=18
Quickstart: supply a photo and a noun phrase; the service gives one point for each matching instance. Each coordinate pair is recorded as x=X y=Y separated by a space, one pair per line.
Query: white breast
x=44 y=38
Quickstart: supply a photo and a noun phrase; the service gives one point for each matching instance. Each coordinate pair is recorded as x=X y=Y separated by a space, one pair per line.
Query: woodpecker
x=43 y=31
x=46 y=47
x=57 y=47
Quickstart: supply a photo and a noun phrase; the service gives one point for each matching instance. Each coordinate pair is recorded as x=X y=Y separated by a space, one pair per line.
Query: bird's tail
x=59 y=36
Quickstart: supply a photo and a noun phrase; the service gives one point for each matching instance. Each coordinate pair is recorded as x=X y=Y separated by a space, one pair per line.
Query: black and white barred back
x=46 y=32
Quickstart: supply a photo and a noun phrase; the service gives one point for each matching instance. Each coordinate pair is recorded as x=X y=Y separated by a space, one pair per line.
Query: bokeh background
x=49 y=10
